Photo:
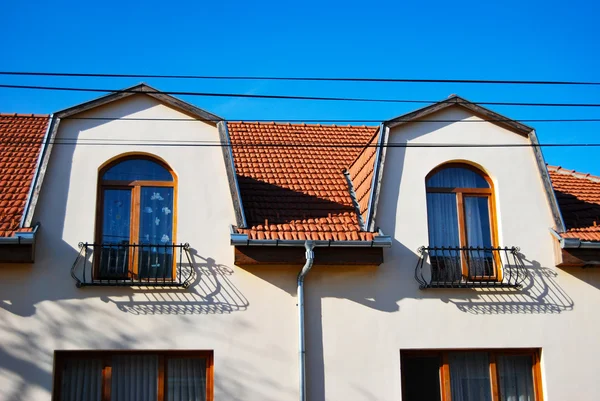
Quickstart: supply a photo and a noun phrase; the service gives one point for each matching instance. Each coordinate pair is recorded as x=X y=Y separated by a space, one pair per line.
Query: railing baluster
x=85 y=261
x=180 y=262
x=110 y=274
x=149 y=264
x=485 y=267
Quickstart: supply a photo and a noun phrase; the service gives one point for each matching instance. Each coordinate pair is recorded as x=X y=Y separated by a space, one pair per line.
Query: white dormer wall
x=554 y=312
x=524 y=215
x=248 y=323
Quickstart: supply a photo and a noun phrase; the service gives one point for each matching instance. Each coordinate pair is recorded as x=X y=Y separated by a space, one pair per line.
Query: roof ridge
x=289 y=124
x=573 y=173
x=24 y=115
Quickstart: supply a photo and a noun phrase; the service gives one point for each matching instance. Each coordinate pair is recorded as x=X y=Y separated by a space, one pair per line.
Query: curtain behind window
x=81 y=380
x=442 y=218
x=470 y=376
x=457 y=177
x=186 y=379
x=477 y=222
x=516 y=378
x=134 y=378
x=156 y=229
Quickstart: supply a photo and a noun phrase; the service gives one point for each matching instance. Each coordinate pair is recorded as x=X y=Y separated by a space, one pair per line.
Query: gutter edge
x=380 y=241
x=573 y=243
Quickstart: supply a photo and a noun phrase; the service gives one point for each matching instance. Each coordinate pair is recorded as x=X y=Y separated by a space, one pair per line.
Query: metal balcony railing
x=472 y=267
x=124 y=264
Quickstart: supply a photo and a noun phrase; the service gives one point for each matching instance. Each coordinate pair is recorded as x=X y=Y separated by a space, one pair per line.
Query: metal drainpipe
x=310 y=256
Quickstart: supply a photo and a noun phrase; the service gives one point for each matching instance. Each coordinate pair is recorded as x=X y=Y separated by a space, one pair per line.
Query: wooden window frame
x=487 y=193
x=135 y=187
x=105 y=356
x=444 y=368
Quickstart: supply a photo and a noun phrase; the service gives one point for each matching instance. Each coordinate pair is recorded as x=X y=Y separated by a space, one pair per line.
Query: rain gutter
x=574 y=243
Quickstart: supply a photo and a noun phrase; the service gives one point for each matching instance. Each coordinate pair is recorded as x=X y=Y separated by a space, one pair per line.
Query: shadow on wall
x=211 y=292
x=540 y=294
x=26 y=352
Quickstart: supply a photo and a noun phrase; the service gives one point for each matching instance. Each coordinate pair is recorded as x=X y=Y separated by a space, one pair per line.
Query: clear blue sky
x=523 y=40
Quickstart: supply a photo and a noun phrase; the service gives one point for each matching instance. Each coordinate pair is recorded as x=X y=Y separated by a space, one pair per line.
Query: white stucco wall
x=250 y=325
x=369 y=315
x=358 y=319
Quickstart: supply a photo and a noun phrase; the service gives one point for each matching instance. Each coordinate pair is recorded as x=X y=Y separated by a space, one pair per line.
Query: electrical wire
x=172 y=143
x=329 y=121
x=290 y=97
x=271 y=78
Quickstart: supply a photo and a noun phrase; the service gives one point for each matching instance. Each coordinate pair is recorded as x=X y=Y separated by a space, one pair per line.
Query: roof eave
x=379 y=241
x=574 y=243
x=454 y=100
x=145 y=89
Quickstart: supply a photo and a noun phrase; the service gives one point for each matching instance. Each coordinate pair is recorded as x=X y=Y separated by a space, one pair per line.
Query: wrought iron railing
x=472 y=267
x=124 y=264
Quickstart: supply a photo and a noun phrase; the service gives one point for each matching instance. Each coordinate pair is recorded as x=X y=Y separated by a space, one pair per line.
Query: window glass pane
x=138 y=169
x=156 y=231
x=442 y=219
x=421 y=378
x=134 y=378
x=457 y=177
x=116 y=218
x=477 y=222
x=515 y=377
x=470 y=376
x=186 y=379
x=81 y=380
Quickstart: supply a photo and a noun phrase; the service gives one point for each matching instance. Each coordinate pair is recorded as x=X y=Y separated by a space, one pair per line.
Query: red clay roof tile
x=21 y=136
x=361 y=173
x=578 y=197
x=294 y=192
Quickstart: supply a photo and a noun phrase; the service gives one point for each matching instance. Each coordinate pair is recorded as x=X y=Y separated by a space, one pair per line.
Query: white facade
x=357 y=318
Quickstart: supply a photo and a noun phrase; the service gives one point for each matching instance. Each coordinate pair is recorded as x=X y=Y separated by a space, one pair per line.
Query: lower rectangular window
x=482 y=375
x=133 y=376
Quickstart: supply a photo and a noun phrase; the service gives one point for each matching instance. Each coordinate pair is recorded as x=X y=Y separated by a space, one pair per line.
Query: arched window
x=461 y=217
x=135 y=226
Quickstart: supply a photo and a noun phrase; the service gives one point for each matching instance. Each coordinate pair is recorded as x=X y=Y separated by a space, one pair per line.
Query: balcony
x=133 y=265
x=458 y=267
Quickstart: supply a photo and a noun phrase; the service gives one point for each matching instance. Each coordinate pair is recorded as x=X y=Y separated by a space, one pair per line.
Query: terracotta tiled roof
x=578 y=197
x=21 y=136
x=292 y=192
x=361 y=172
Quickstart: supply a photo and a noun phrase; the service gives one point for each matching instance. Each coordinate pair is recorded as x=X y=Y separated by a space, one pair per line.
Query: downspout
x=310 y=256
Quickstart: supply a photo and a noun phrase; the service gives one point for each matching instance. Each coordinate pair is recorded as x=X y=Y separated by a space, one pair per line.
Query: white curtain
x=457 y=177
x=477 y=220
x=81 y=380
x=134 y=377
x=442 y=217
x=470 y=376
x=516 y=378
x=186 y=379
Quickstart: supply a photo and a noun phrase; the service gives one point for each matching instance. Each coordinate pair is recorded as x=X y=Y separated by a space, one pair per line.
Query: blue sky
x=521 y=40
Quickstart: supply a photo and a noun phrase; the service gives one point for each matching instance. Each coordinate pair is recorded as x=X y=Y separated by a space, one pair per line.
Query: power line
x=289 y=97
x=183 y=143
x=271 y=78
x=330 y=121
